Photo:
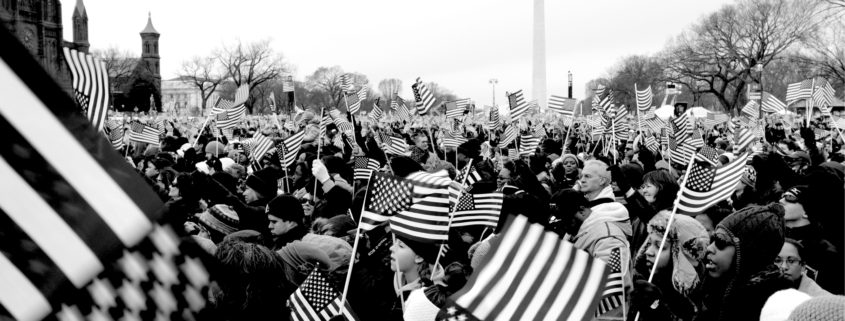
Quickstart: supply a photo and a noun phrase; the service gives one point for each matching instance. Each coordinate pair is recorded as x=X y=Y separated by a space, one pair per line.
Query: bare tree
x=251 y=63
x=325 y=86
x=119 y=63
x=824 y=53
x=717 y=55
x=204 y=73
x=389 y=87
x=641 y=70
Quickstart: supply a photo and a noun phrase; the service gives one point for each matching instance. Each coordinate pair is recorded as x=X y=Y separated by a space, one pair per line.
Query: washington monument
x=539 y=74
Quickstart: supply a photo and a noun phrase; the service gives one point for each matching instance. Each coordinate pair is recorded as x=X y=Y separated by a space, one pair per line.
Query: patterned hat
x=687 y=242
x=758 y=233
x=821 y=308
x=221 y=218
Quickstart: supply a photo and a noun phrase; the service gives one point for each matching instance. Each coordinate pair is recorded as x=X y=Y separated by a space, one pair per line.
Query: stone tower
x=149 y=49
x=539 y=72
x=80 y=27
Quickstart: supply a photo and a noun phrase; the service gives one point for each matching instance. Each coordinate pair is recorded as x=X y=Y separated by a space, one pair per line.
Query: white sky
x=459 y=44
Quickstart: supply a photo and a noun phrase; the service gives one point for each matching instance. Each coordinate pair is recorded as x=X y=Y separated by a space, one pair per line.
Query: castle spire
x=149 y=28
x=80 y=8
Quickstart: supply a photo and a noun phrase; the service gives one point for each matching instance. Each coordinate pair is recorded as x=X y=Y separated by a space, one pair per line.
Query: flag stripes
x=532 y=275
x=772 y=104
x=528 y=144
x=644 y=99
x=799 y=90
x=454 y=109
x=396 y=146
x=290 y=148
x=142 y=133
x=493 y=120
x=258 y=146
x=478 y=209
x=90 y=85
x=743 y=138
x=614 y=287
x=317 y=300
x=562 y=105
x=364 y=167
x=423 y=97
x=708 y=185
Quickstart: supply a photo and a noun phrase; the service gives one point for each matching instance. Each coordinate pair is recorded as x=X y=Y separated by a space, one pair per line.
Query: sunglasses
x=721 y=240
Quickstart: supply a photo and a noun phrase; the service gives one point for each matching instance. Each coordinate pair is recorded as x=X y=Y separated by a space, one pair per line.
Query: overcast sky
x=460 y=45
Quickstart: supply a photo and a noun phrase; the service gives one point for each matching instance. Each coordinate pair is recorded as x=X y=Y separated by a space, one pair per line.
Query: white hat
x=780 y=305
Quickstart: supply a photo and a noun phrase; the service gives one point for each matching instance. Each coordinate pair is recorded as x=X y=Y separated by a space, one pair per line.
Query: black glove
x=645 y=296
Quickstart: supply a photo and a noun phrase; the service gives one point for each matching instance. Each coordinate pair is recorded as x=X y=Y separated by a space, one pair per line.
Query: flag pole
x=566 y=137
x=810 y=102
x=354 y=247
x=451 y=216
x=319 y=145
x=401 y=277
x=669 y=223
x=201 y=130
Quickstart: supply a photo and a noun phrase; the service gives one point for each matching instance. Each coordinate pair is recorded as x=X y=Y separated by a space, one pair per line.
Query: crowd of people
x=772 y=251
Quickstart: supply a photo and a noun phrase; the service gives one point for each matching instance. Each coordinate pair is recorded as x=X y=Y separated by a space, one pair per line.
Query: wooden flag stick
x=451 y=215
x=354 y=248
x=319 y=145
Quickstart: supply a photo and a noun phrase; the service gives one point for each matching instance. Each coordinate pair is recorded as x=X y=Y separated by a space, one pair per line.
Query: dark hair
x=667 y=188
x=251 y=281
x=522 y=177
x=455 y=276
x=798 y=246
x=537 y=162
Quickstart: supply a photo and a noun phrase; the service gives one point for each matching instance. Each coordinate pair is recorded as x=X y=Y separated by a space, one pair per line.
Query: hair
x=798 y=246
x=251 y=281
x=537 y=162
x=667 y=188
x=522 y=177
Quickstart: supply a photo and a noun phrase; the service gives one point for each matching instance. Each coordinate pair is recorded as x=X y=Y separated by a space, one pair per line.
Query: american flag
x=258 y=146
x=714 y=119
x=644 y=99
x=707 y=154
x=346 y=82
x=212 y=101
x=614 y=288
x=454 y=109
x=453 y=140
x=139 y=132
x=752 y=109
x=651 y=144
x=823 y=95
x=528 y=144
x=518 y=105
x=799 y=90
x=562 y=105
x=402 y=113
x=423 y=97
x=395 y=145
x=90 y=85
x=620 y=123
x=362 y=93
x=364 y=167
x=772 y=104
x=654 y=123
x=287 y=83
x=683 y=127
x=288 y=149
x=325 y=120
x=606 y=103
x=317 y=300
x=375 y=113
x=67 y=231
x=241 y=96
x=530 y=275
x=708 y=185
x=695 y=140
x=417 y=206
x=227 y=114
x=114 y=130
x=353 y=103
x=478 y=209
x=743 y=138
x=394 y=103
x=468 y=176
x=682 y=153
x=493 y=121
x=508 y=136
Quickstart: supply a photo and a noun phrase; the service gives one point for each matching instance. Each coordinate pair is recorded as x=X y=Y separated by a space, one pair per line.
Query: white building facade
x=180 y=97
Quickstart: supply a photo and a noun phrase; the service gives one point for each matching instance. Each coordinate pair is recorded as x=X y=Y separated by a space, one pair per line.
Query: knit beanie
x=781 y=304
x=687 y=243
x=301 y=258
x=571 y=156
x=216 y=148
x=820 y=308
x=287 y=208
x=264 y=181
x=425 y=250
x=758 y=234
x=221 y=218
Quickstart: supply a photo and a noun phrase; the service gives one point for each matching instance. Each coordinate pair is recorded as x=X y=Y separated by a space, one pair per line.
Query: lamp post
x=569 y=76
x=493 y=82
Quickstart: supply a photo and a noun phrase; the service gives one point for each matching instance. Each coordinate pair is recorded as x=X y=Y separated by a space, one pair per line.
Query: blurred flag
x=518 y=105
x=478 y=210
x=708 y=185
x=493 y=120
x=508 y=136
x=743 y=138
x=531 y=274
x=287 y=84
x=272 y=100
x=422 y=96
x=317 y=300
x=752 y=109
x=141 y=133
x=375 y=113
x=455 y=110
x=799 y=90
x=823 y=95
x=364 y=167
x=562 y=105
x=714 y=119
x=528 y=144
x=772 y=104
x=288 y=149
x=644 y=99
x=707 y=154
x=258 y=146
x=453 y=140
x=353 y=103
x=396 y=146
x=346 y=82
x=90 y=85
x=241 y=96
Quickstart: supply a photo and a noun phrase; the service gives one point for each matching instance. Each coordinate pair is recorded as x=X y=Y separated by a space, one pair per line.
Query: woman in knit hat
x=740 y=268
x=791 y=262
x=678 y=267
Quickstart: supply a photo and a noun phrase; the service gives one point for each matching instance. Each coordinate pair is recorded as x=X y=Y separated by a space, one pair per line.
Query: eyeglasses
x=790 y=261
x=721 y=240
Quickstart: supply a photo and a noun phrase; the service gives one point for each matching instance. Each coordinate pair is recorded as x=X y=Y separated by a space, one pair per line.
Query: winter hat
x=221 y=218
x=470 y=149
x=216 y=148
x=227 y=181
x=687 y=242
x=800 y=193
x=287 y=208
x=758 y=234
x=780 y=304
x=264 y=181
x=820 y=308
x=301 y=258
x=749 y=178
x=425 y=250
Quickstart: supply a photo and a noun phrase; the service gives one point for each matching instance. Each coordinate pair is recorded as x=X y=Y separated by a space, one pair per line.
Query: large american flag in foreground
x=90 y=85
x=416 y=206
x=317 y=300
x=531 y=274
x=708 y=185
x=79 y=239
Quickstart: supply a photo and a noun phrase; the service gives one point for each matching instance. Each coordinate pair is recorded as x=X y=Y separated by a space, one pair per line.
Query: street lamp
x=569 y=75
x=493 y=82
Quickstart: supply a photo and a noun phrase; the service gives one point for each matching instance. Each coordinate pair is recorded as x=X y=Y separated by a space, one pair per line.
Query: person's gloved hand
x=645 y=296
x=319 y=171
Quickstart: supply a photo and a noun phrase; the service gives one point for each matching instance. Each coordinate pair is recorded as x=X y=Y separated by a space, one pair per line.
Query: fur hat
x=758 y=233
x=264 y=181
x=221 y=218
x=687 y=244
